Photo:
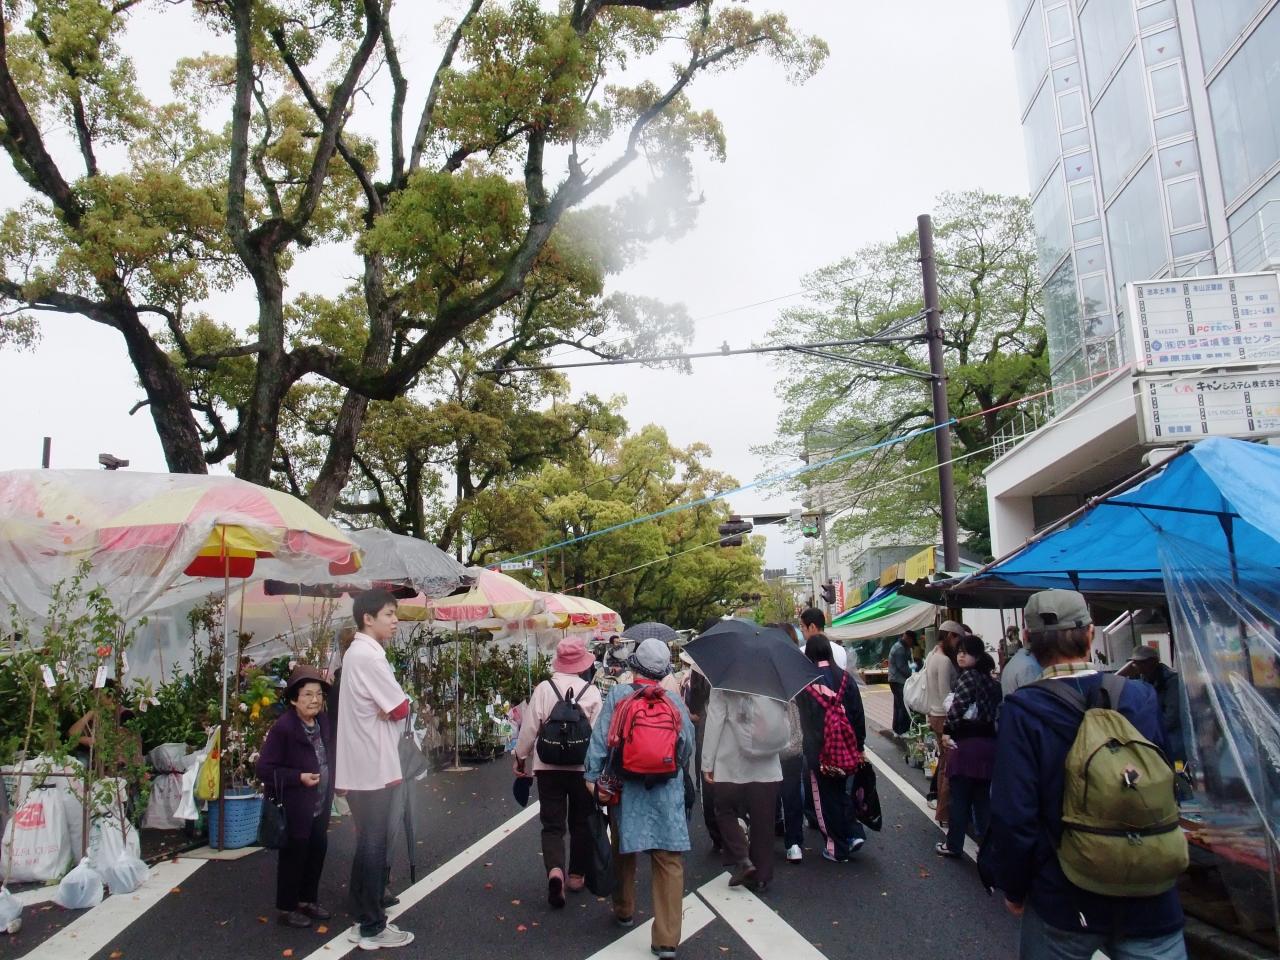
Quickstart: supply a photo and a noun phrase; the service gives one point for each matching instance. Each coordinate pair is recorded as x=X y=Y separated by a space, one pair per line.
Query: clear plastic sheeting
x=1225 y=609
x=140 y=532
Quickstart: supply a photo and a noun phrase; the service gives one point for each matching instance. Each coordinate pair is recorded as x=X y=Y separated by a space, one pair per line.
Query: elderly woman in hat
x=295 y=764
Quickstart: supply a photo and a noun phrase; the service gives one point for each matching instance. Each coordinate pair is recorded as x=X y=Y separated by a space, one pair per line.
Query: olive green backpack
x=1120 y=825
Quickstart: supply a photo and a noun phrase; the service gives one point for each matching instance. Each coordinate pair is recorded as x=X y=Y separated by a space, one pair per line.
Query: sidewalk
x=877 y=702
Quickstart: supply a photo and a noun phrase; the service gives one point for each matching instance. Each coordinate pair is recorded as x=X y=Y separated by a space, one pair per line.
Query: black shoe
x=295 y=918
x=745 y=872
x=389 y=900
x=555 y=891
x=625 y=922
x=757 y=886
x=314 y=911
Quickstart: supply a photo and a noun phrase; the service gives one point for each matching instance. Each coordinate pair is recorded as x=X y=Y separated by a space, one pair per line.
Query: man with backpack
x=1087 y=846
x=644 y=738
x=556 y=732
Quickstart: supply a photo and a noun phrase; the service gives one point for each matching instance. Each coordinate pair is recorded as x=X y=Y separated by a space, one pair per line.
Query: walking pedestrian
x=835 y=730
x=372 y=708
x=650 y=817
x=971 y=727
x=556 y=732
x=1121 y=897
x=294 y=767
x=696 y=699
x=1145 y=665
x=940 y=676
x=900 y=660
x=741 y=756
x=791 y=799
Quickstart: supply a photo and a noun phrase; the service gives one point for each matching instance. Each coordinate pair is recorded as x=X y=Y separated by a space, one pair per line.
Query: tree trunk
x=261 y=427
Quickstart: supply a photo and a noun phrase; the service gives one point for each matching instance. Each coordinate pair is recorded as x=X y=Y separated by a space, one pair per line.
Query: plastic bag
x=209 y=772
x=124 y=873
x=10 y=912
x=915 y=693
x=69 y=790
x=165 y=802
x=80 y=889
x=168 y=758
x=109 y=839
x=36 y=846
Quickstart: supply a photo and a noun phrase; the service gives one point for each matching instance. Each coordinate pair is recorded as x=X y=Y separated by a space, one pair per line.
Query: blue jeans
x=1040 y=941
x=970 y=803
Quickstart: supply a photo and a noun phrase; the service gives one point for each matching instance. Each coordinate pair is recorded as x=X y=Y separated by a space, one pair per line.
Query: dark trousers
x=791 y=796
x=754 y=802
x=834 y=809
x=371 y=810
x=298 y=869
x=970 y=803
x=563 y=800
x=901 y=715
x=708 y=791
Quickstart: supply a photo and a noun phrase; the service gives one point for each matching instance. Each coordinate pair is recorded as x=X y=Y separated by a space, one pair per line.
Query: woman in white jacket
x=744 y=737
x=562 y=793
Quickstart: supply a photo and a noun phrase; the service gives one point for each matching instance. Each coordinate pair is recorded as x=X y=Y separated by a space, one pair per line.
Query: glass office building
x=1153 y=149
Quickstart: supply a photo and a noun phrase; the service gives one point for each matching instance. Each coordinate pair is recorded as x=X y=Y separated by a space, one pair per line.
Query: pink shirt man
x=370 y=710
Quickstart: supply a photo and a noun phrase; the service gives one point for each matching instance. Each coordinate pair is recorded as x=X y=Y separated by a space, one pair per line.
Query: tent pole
x=222 y=730
x=457 y=702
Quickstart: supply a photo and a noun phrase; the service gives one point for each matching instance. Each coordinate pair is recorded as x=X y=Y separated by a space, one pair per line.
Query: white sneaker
x=353 y=934
x=388 y=938
x=794 y=853
x=856 y=844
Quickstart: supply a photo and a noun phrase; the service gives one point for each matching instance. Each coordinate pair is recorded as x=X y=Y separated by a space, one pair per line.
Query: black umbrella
x=740 y=656
x=650 y=630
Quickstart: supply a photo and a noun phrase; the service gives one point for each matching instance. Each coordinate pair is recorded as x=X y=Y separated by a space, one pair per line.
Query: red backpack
x=840 y=755
x=644 y=734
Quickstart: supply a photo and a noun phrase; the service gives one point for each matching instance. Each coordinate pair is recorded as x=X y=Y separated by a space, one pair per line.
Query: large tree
x=995 y=350
x=453 y=215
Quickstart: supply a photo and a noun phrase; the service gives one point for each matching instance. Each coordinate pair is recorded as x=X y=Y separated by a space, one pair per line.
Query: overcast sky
x=916 y=99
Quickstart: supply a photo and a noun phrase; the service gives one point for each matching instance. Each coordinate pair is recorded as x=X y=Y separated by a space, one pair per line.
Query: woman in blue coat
x=296 y=765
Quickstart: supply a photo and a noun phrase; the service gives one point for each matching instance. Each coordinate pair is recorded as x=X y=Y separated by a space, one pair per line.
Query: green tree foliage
x=995 y=349
x=470 y=219
x=667 y=569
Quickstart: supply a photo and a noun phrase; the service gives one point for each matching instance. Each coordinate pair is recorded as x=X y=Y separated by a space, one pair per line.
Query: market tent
x=1219 y=493
x=885 y=614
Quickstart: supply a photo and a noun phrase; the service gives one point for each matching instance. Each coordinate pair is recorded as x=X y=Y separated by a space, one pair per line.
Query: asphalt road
x=481 y=895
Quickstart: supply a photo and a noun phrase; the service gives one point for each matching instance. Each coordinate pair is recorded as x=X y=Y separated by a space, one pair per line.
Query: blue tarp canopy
x=1222 y=494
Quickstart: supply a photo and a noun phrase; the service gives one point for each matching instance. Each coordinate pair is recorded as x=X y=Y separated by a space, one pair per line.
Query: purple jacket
x=289 y=753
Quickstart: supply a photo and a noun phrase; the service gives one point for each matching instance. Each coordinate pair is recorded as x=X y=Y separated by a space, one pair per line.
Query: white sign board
x=517 y=565
x=1245 y=404
x=1190 y=323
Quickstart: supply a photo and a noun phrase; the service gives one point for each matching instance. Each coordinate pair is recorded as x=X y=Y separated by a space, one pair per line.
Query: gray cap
x=1144 y=653
x=951 y=626
x=652 y=658
x=1056 y=610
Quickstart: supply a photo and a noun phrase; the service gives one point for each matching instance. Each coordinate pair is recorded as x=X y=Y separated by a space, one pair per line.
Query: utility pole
x=941 y=413
x=47 y=455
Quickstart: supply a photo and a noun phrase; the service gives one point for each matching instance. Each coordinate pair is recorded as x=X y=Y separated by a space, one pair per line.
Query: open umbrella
x=650 y=630
x=746 y=658
x=405 y=566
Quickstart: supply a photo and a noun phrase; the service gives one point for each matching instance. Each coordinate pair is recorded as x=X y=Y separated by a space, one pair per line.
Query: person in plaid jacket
x=832 y=803
x=971 y=752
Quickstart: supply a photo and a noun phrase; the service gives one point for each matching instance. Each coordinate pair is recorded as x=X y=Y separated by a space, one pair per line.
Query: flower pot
x=243 y=811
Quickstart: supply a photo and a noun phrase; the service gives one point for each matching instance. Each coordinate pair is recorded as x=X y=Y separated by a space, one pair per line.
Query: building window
x=1093 y=294
x=1084 y=203
x=1030 y=56
x=1219 y=23
x=1106 y=30
x=1135 y=228
x=1179 y=159
x=1245 y=102
x=1168 y=92
x=1161 y=11
x=1062 y=315
x=1255 y=230
x=1059 y=23
x=1053 y=224
x=1071 y=110
x=1041 y=133
x=1121 y=126
x=1186 y=206
x=1161 y=47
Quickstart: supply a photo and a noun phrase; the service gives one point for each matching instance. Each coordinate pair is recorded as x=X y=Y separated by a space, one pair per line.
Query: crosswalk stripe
x=763 y=930
x=96 y=928
x=340 y=945
x=636 y=943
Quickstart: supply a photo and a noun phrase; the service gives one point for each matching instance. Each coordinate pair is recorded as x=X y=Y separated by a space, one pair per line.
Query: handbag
x=601 y=876
x=207 y=780
x=865 y=796
x=273 y=826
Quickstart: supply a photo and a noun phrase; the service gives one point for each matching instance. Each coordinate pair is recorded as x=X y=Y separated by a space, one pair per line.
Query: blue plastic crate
x=244 y=809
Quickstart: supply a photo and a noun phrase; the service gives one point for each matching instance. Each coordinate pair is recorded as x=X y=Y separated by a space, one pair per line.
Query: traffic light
x=829 y=592
x=809 y=525
x=731 y=532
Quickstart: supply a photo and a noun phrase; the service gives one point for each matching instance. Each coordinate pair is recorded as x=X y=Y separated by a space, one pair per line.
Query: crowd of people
x=628 y=733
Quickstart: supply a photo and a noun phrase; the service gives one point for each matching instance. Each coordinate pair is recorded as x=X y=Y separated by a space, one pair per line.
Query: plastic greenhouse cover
x=139 y=532
x=1224 y=612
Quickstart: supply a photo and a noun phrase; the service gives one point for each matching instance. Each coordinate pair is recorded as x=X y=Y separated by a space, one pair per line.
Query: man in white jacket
x=562 y=793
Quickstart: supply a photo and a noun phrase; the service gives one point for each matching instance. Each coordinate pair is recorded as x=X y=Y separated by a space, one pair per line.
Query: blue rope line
x=787 y=475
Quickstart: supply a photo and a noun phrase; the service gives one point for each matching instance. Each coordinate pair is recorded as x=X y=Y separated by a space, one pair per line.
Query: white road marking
x=96 y=928
x=29 y=898
x=916 y=797
x=636 y=943
x=340 y=945
x=763 y=930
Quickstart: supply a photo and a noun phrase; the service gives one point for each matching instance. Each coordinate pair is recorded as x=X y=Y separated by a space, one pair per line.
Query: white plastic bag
x=69 y=790
x=109 y=840
x=80 y=889
x=10 y=912
x=162 y=807
x=36 y=846
x=124 y=873
x=915 y=693
x=169 y=758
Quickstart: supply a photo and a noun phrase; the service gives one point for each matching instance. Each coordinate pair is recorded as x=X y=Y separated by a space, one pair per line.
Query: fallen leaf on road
x=488 y=863
x=116 y=954
x=515 y=903
x=488 y=886
x=724 y=949
x=176 y=890
x=521 y=928
x=287 y=953
x=322 y=929
x=924 y=874
x=262 y=919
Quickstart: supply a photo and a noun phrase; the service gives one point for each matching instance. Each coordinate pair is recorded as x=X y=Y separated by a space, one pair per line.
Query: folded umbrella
x=743 y=657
